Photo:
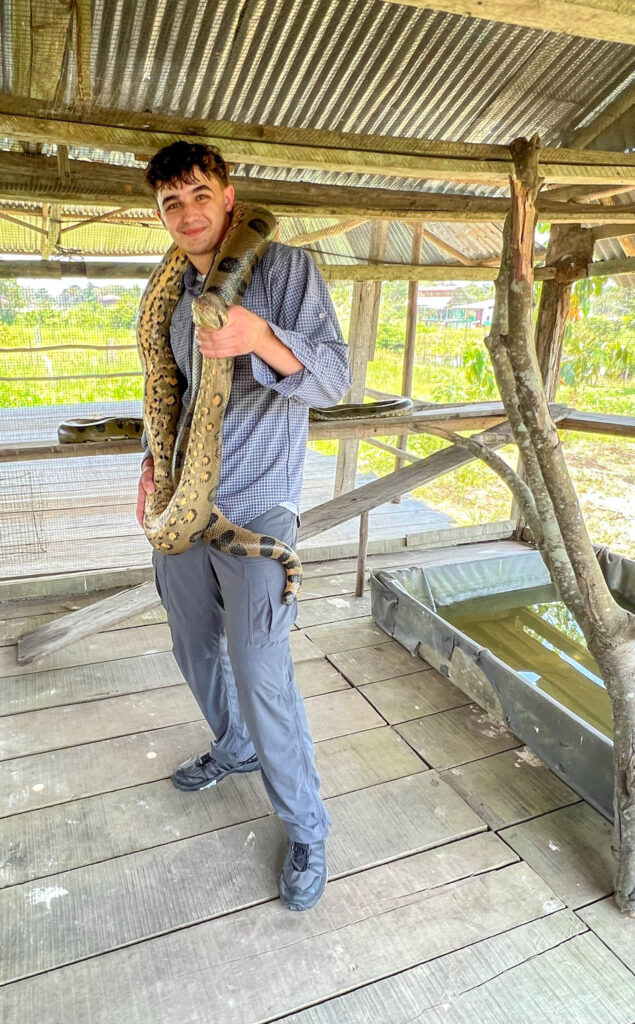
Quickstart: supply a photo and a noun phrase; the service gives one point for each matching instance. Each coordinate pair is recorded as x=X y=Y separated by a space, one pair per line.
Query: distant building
x=436 y=305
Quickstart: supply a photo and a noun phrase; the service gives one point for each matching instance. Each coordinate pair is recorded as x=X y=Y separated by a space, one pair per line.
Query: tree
x=549 y=502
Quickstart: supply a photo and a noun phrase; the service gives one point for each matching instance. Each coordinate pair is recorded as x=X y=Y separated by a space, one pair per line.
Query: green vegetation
x=452 y=365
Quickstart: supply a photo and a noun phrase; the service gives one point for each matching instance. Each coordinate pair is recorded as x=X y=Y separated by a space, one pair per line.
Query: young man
x=230 y=629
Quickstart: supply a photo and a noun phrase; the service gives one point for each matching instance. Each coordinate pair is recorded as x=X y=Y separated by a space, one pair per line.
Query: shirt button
x=322 y=315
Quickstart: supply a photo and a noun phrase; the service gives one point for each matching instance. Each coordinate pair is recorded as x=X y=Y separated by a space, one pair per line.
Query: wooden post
x=361 y=341
x=569 y=251
x=361 y=554
x=411 y=335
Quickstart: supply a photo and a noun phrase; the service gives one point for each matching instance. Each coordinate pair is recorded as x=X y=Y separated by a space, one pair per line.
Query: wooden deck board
x=272 y=961
x=330 y=714
x=164 y=888
x=569 y=848
x=458 y=735
x=373 y=663
x=614 y=929
x=542 y=971
x=332 y=609
x=333 y=637
x=412 y=696
x=510 y=787
x=53 y=839
x=44 y=688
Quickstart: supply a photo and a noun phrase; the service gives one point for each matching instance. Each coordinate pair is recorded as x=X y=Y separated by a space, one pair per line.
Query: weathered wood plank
x=510 y=787
x=542 y=971
x=29 y=692
x=613 y=927
x=110 y=646
x=250 y=972
x=406 y=697
x=346 y=636
x=362 y=499
x=570 y=849
x=370 y=664
x=421 y=813
x=52 y=728
x=64 y=836
x=329 y=714
x=314 y=677
x=457 y=736
x=54 y=776
x=400 y=999
x=596 y=19
x=332 y=609
x=13 y=628
x=85 y=621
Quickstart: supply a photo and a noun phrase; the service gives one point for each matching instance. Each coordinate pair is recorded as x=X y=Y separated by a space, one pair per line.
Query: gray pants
x=230 y=635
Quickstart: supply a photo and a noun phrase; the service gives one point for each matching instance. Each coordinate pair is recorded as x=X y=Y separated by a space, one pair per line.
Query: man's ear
x=157 y=213
x=230 y=198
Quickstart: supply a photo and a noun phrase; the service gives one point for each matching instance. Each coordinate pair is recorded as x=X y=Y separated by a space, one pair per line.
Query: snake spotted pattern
x=187 y=467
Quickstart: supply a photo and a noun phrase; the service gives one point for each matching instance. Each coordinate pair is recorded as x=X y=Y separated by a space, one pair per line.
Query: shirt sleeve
x=303 y=318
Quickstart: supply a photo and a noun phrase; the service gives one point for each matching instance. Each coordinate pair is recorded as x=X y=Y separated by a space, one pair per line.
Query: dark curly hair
x=176 y=163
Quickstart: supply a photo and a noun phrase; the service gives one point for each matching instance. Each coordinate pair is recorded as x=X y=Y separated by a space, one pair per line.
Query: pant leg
x=257 y=625
x=190 y=594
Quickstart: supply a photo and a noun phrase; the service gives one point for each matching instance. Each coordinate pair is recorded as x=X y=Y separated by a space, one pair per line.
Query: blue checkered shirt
x=267 y=418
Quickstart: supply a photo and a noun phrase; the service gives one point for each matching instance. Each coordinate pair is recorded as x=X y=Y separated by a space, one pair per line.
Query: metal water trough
x=408 y=605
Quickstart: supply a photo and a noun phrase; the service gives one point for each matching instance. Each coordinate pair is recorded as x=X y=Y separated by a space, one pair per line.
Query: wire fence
x=71 y=351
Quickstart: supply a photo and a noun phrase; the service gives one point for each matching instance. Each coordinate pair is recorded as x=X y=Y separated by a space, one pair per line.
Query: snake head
x=209 y=310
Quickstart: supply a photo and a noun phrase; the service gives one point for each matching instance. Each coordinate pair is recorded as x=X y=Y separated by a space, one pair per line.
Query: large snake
x=182 y=508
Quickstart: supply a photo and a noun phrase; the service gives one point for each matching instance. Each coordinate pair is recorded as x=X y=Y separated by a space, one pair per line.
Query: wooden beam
x=342 y=226
x=363 y=499
x=411 y=333
x=475 y=416
x=271 y=146
x=608 y=116
x=612 y=20
x=56 y=270
x=612 y=231
x=36 y=178
x=584 y=193
x=72 y=627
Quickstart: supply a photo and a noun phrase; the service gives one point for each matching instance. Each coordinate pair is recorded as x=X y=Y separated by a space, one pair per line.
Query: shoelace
x=203 y=759
x=300 y=856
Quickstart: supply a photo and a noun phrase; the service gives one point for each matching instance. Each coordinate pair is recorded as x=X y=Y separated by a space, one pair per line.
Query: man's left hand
x=244 y=333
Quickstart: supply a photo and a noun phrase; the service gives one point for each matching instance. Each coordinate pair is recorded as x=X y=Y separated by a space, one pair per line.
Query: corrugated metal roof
x=349 y=65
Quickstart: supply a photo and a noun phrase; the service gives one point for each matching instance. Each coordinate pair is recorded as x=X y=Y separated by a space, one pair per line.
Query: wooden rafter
x=271 y=146
x=340 y=228
x=40 y=37
x=612 y=20
x=611 y=113
x=36 y=177
x=55 y=269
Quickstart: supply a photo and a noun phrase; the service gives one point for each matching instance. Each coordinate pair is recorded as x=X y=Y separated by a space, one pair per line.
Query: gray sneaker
x=303 y=877
x=204 y=771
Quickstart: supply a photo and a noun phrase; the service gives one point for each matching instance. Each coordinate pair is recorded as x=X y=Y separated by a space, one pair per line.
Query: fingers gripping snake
x=187 y=466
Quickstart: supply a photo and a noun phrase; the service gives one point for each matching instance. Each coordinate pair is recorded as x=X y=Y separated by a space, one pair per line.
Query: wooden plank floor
x=466 y=883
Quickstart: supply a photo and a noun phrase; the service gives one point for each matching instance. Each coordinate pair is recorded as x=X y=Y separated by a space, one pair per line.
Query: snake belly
x=187 y=467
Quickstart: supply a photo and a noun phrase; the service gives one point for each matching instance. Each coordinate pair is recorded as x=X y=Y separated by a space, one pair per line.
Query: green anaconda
x=187 y=465
x=121 y=428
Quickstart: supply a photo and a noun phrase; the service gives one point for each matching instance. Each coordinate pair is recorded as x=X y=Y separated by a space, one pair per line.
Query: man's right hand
x=146 y=486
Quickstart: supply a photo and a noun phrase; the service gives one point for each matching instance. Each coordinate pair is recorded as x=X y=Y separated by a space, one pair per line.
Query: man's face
x=196 y=214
